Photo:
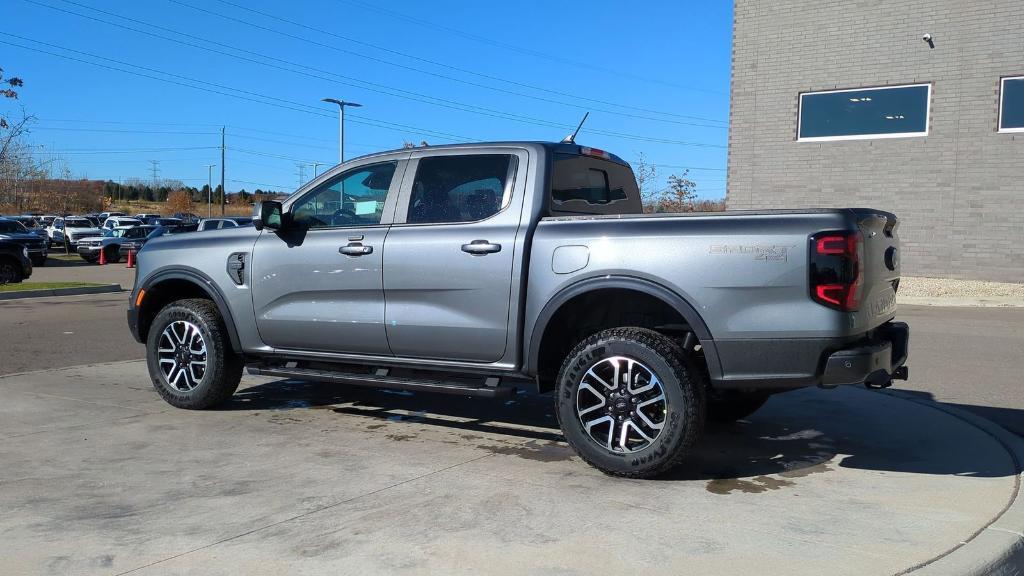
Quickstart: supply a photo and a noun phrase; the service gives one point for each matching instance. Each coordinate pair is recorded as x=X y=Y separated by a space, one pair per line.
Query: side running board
x=381 y=378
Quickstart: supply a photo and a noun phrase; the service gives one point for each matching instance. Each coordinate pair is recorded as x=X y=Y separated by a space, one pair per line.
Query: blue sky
x=654 y=76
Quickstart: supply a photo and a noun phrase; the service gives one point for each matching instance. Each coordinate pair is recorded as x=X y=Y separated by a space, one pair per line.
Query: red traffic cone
x=131 y=259
x=103 y=256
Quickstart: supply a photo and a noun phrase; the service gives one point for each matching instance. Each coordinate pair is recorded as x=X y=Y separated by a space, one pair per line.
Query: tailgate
x=880 y=267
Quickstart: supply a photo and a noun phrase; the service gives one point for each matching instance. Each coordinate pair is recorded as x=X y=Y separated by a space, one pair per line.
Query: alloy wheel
x=621 y=404
x=182 y=355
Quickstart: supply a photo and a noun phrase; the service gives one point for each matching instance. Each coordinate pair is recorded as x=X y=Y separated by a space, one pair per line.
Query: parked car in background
x=94 y=218
x=102 y=216
x=136 y=244
x=32 y=224
x=73 y=227
x=145 y=217
x=165 y=221
x=15 y=264
x=187 y=217
x=45 y=219
x=120 y=221
x=110 y=243
x=14 y=231
x=221 y=223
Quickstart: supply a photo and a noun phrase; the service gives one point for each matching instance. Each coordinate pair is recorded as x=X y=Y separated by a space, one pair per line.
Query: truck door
x=318 y=284
x=448 y=258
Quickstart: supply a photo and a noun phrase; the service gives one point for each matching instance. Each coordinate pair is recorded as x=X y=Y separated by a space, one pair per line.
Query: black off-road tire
x=89 y=259
x=684 y=391
x=10 y=271
x=731 y=405
x=223 y=368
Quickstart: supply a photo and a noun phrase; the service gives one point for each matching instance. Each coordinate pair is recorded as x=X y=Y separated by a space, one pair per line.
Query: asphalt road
x=40 y=333
x=967 y=357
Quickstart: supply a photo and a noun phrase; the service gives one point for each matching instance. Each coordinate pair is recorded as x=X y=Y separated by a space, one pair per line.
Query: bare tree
x=646 y=175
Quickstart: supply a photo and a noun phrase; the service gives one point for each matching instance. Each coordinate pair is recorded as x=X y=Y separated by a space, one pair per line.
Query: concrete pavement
x=101 y=477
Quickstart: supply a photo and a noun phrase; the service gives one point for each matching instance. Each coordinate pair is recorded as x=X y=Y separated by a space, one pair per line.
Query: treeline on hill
x=67 y=196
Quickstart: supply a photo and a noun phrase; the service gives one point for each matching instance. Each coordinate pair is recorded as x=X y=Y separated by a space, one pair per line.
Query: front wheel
x=189 y=355
x=629 y=403
x=10 y=271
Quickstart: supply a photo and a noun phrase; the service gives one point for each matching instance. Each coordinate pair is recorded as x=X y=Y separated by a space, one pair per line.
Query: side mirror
x=267 y=214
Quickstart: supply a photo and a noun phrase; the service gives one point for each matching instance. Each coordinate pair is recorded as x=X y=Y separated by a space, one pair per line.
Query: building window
x=863 y=113
x=1011 y=104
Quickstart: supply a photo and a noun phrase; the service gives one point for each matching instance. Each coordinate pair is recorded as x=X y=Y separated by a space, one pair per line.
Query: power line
x=260 y=184
x=363 y=84
x=100 y=130
x=519 y=49
x=128 y=151
x=435 y=63
x=244 y=94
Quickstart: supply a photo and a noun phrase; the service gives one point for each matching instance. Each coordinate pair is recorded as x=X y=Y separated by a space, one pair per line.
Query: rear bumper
x=875 y=363
x=875 y=358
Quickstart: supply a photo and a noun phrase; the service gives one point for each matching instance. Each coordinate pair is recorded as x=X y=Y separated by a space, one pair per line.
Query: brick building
x=843 y=103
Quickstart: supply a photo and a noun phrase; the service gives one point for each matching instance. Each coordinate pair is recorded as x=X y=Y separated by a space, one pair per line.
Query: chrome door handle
x=355 y=249
x=481 y=247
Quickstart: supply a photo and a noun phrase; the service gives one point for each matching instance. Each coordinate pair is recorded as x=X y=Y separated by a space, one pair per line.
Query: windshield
x=78 y=223
x=10 y=226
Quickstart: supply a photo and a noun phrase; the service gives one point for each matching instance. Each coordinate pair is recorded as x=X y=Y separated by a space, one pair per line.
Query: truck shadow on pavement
x=793 y=436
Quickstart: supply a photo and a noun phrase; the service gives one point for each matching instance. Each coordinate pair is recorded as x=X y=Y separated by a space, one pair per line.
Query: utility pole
x=341 y=124
x=315 y=164
x=156 y=174
x=301 y=174
x=223 y=189
x=209 y=191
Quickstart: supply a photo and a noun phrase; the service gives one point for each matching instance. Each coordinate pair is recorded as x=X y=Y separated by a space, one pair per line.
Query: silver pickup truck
x=479 y=269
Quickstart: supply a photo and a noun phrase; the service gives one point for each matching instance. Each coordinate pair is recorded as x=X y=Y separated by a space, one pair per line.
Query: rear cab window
x=587 y=184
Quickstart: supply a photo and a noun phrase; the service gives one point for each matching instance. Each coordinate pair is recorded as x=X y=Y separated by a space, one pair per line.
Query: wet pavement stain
x=534 y=450
x=755 y=485
x=401 y=437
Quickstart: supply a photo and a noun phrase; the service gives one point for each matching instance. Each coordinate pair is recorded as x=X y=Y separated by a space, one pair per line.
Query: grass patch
x=67 y=257
x=45 y=286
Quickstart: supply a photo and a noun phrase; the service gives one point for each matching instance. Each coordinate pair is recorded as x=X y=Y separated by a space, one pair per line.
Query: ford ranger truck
x=478 y=269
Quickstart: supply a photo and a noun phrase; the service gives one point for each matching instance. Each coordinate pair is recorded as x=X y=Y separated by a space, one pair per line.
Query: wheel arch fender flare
x=669 y=297
x=203 y=282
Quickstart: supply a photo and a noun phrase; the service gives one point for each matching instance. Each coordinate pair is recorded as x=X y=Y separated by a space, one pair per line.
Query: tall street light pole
x=341 y=124
x=209 y=191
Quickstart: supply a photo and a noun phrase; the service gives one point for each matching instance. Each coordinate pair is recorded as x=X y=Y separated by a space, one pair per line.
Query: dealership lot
x=101 y=477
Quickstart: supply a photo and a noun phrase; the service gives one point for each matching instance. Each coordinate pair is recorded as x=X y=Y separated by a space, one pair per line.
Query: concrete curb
x=962 y=301
x=997 y=549
x=61 y=292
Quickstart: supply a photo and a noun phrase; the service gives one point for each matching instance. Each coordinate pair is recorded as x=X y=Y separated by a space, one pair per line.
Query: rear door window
x=588 y=185
x=464 y=188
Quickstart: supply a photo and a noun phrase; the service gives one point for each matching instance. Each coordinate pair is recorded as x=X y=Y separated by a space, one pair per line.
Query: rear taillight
x=835 y=266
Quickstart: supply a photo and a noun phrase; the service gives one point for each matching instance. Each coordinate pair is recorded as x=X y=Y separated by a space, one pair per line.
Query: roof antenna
x=571 y=138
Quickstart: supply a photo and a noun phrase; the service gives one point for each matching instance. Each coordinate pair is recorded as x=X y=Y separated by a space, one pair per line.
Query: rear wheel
x=189 y=355
x=10 y=271
x=733 y=405
x=629 y=403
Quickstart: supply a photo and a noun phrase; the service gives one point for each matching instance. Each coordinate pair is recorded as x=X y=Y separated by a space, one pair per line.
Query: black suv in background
x=36 y=245
x=15 y=265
